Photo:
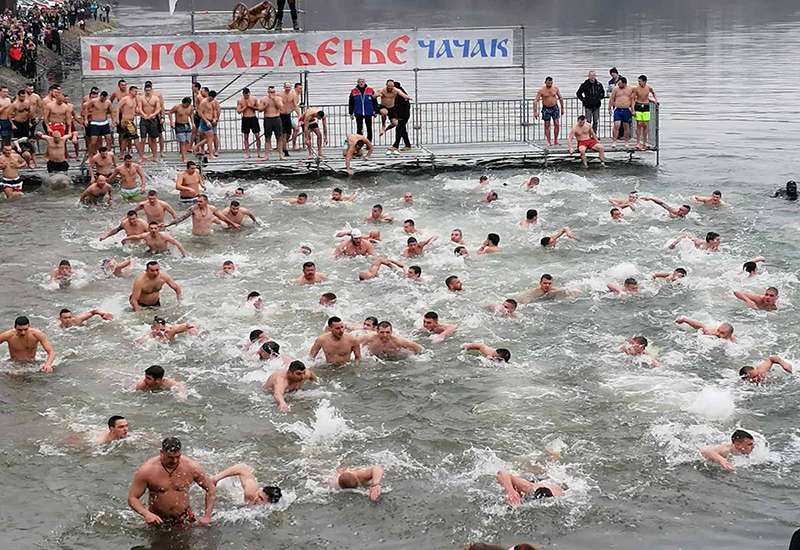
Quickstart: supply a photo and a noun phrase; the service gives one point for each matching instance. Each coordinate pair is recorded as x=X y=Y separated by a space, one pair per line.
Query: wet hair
x=151 y=262
x=253 y=294
x=503 y=354
x=739 y=435
x=727 y=325
x=411 y=240
x=153 y=223
x=379 y=207
x=186 y=100
x=710 y=236
x=494 y=195
x=273 y=493
x=791 y=188
x=330 y=296
x=235 y=203
x=548 y=78
x=717 y=193
x=773 y=289
x=103 y=149
x=484 y=178
x=615 y=209
x=545 y=241
x=308 y=264
x=623 y=79
x=582 y=117
x=409 y=220
x=255 y=334
x=546 y=277
x=64 y=262
x=493 y=238
x=458 y=250
x=530 y=214
x=640 y=340
x=643 y=78
x=295 y=366
x=171 y=445
x=112 y=422
x=750 y=267
x=156 y=371
x=744 y=372
x=247 y=90
x=374 y=320
x=348 y=480
x=63 y=311
x=681 y=270
x=687 y=207
x=337 y=190
x=416 y=269
x=304 y=195
x=271 y=348
x=511 y=301
x=630 y=281
x=227 y=262
x=450 y=279
x=332 y=320
x=21 y=321
x=542 y=492
x=431 y=315
x=127 y=157
x=384 y=324
x=159 y=320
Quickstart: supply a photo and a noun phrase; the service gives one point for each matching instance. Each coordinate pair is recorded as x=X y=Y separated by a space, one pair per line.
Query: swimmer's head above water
x=269 y=350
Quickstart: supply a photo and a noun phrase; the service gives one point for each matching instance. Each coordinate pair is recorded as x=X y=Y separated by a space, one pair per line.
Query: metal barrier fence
x=446 y=123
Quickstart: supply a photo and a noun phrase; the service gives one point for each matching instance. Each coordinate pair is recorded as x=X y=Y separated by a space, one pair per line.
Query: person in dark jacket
x=362 y=106
x=402 y=108
x=591 y=94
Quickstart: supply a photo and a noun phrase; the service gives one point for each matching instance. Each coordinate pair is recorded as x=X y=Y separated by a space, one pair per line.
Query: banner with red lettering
x=312 y=51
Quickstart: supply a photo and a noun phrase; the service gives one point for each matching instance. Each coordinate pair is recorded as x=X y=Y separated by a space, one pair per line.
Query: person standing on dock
x=149 y=110
x=128 y=136
x=247 y=106
x=591 y=93
x=291 y=105
x=362 y=107
x=181 y=118
x=643 y=94
x=272 y=104
x=550 y=97
x=621 y=103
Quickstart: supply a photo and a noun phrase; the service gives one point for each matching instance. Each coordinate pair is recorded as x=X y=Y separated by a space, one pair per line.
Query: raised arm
x=235 y=470
x=485 y=350
x=777 y=360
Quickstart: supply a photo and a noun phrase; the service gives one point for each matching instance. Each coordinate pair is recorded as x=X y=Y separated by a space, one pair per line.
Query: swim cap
x=355 y=233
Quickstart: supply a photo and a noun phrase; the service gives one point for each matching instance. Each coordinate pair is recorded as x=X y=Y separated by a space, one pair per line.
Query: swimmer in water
x=550 y=242
x=23 y=342
x=616 y=214
x=415 y=248
x=302 y=198
x=62 y=273
x=490 y=245
x=117 y=429
x=495 y=354
x=630 y=286
x=377 y=215
x=408 y=198
x=352 y=478
x=253 y=494
x=637 y=346
x=66 y=319
x=723 y=331
x=327 y=299
x=131 y=225
x=146 y=291
x=305 y=250
x=370 y=324
x=483 y=180
x=236 y=213
x=154 y=381
x=310 y=275
x=531 y=218
x=409 y=226
x=507 y=309
x=288 y=380
x=758 y=375
x=453 y=283
x=715 y=200
x=532 y=182
x=628 y=202
x=96 y=192
x=457 y=236
x=257 y=337
x=430 y=322
x=254 y=300
x=339 y=348
x=161 y=331
x=386 y=345
x=338 y=196
x=271 y=350
x=677 y=273
x=711 y=244
x=155 y=240
x=412 y=272
x=741 y=444
x=790 y=193
x=516 y=488
x=155 y=210
x=751 y=267
x=461 y=251
x=490 y=197
x=767 y=302
x=356 y=245
x=238 y=192
x=679 y=212
x=545 y=289
x=228 y=269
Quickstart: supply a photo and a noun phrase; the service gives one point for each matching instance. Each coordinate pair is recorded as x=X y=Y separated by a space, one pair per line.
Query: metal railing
x=446 y=123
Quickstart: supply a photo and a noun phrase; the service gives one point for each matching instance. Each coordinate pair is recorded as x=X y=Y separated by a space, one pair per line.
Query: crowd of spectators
x=32 y=25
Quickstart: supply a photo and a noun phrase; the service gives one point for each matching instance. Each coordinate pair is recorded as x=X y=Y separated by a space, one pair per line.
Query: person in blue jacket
x=362 y=106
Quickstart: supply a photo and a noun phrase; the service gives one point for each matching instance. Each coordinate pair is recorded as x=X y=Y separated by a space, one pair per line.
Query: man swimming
x=236 y=213
x=490 y=245
x=637 y=346
x=338 y=196
x=164 y=333
x=67 y=320
x=310 y=275
x=95 y=192
x=628 y=202
x=453 y=283
x=430 y=322
x=62 y=273
x=457 y=236
x=356 y=245
x=751 y=267
x=204 y=216
x=154 y=208
x=767 y=301
x=629 y=286
x=117 y=429
x=616 y=214
x=253 y=494
x=711 y=243
x=516 y=488
x=545 y=289
x=415 y=248
x=550 y=242
x=531 y=218
x=679 y=212
x=741 y=445
x=670 y=276
x=155 y=240
x=412 y=272
x=23 y=342
x=385 y=344
x=723 y=331
x=714 y=200
x=495 y=354
x=302 y=198
x=377 y=215
x=131 y=225
x=506 y=309
x=409 y=226
x=113 y=268
x=154 y=381
x=351 y=478
x=288 y=380
x=759 y=374
x=338 y=347
x=146 y=291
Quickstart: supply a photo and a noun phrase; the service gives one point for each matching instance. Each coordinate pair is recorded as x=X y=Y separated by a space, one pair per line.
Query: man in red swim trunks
x=168 y=478
x=587 y=140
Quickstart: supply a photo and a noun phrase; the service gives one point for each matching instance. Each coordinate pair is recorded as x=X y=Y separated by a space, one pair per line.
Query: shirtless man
x=356 y=245
x=19 y=112
x=155 y=209
x=758 y=375
x=670 y=276
x=550 y=97
x=751 y=267
x=95 y=192
x=516 y=488
x=290 y=104
x=715 y=200
x=205 y=126
x=338 y=346
x=181 y=118
x=741 y=444
x=58 y=115
x=6 y=129
x=132 y=224
x=386 y=98
x=495 y=354
x=113 y=268
x=531 y=218
x=56 y=151
x=506 y=309
x=237 y=213
x=272 y=104
x=767 y=302
x=309 y=121
x=413 y=272
x=376 y=215
x=168 y=478
x=301 y=199
x=189 y=184
x=550 y=242
x=338 y=196
x=246 y=106
x=37 y=107
x=128 y=108
x=629 y=286
x=352 y=478
x=643 y=94
x=102 y=163
x=99 y=123
x=253 y=494
x=62 y=273
x=160 y=118
x=164 y=333
x=679 y=212
x=637 y=346
x=150 y=112
x=628 y=202
x=155 y=240
x=430 y=322
x=10 y=163
x=457 y=236
x=203 y=217
x=310 y=275
x=23 y=341
x=354 y=145
x=146 y=290
x=385 y=344
x=621 y=103
x=154 y=381
x=128 y=171
x=723 y=331
x=490 y=245
x=415 y=248
x=711 y=243
x=117 y=429
x=587 y=140
x=288 y=380
x=67 y=320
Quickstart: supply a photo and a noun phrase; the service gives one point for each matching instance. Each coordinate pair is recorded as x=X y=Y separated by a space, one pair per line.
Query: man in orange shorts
x=587 y=140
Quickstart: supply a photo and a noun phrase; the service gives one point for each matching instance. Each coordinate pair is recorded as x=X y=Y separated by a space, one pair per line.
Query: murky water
x=444 y=422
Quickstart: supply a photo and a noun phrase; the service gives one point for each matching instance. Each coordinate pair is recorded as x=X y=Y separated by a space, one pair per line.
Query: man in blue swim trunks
x=551 y=97
x=621 y=104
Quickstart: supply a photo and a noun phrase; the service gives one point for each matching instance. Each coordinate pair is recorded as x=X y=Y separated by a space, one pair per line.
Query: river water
x=444 y=422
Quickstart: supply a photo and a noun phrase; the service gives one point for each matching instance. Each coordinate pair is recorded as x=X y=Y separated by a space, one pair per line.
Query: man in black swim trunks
x=146 y=290
x=247 y=105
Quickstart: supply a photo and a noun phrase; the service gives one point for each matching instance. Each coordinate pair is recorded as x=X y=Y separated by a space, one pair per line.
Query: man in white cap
x=356 y=245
